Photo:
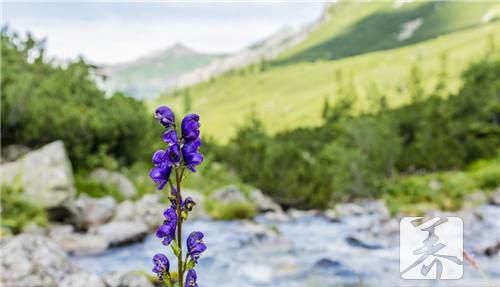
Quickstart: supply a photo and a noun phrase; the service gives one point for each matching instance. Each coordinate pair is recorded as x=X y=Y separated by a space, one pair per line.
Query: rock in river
x=93 y=211
x=122 y=232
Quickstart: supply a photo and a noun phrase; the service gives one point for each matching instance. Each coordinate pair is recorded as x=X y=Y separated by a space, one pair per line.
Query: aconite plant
x=170 y=166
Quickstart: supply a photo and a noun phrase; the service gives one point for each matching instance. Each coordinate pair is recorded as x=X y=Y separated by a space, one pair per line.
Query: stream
x=308 y=250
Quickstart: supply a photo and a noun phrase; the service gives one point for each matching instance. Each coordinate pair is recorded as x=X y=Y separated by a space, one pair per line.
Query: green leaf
x=190 y=264
x=176 y=249
x=184 y=215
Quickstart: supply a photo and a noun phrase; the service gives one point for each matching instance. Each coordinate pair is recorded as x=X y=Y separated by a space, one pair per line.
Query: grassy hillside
x=293 y=95
x=354 y=28
x=152 y=74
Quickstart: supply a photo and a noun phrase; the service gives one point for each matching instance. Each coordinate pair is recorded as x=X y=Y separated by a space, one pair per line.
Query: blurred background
x=322 y=123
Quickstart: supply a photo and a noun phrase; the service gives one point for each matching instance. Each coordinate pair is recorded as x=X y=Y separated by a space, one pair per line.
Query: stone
x=93 y=211
x=264 y=203
x=147 y=210
x=326 y=265
x=121 y=232
x=348 y=209
x=277 y=216
x=130 y=279
x=298 y=214
x=35 y=229
x=331 y=215
x=77 y=243
x=495 y=197
x=33 y=260
x=376 y=208
x=82 y=279
x=356 y=242
x=14 y=152
x=228 y=194
x=121 y=182
x=45 y=175
x=258 y=232
x=489 y=248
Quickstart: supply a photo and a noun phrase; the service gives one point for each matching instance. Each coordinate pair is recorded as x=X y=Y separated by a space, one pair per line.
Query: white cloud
x=124 y=38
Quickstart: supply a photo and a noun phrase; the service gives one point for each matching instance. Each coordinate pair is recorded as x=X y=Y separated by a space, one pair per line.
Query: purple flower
x=173 y=155
x=160 y=175
x=192 y=157
x=188 y=204
x=170 y=137
x=165 y=115
x=161 y=265
x=190 y=127
x=195 y=245
x=191 y=279
x=166 y=231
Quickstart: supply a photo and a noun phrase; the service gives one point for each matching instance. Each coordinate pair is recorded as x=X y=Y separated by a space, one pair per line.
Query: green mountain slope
x=148 y=76
x=354 y=28
x=292 y=95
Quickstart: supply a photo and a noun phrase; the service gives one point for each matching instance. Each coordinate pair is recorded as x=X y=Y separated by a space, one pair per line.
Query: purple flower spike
x=195 y=245
x=161 y=265
x=191 y=279
x=190 y=127
x=166 y=231
x=165 y=115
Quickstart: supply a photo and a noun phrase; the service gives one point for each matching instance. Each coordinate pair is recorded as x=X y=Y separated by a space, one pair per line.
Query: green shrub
x=417 y=193
x=486 y=173
x=230 y=211
x=17 y=211
x=96 y=189
x=43 y=102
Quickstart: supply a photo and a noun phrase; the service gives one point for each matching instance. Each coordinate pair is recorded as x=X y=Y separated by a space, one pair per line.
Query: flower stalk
x=181 y=153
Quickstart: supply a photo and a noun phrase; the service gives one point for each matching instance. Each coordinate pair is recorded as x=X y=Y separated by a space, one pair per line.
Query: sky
x=115 y=32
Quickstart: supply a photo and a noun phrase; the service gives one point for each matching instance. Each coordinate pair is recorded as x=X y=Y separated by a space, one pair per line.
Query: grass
x=416 y=194
x=230 y=211
x=291 y=96
x=354 y=28
x=17 y=211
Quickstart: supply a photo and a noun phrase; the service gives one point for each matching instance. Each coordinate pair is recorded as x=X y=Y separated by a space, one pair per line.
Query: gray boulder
x=121 y=182
x=228 y=194
x=77 y=243
x=93 y=211
x=82 y=279
x=121 y=232
x=45 y=175
x=148 y=210
x=264 y=203
x=33 y=260
x=348 y=209
x=127 y=280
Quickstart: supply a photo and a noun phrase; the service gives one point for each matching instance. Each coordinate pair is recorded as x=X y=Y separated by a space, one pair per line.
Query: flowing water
x=306 y=251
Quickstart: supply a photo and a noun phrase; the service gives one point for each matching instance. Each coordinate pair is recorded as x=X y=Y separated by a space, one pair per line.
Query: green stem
x=179 y=228
x=185 y=263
